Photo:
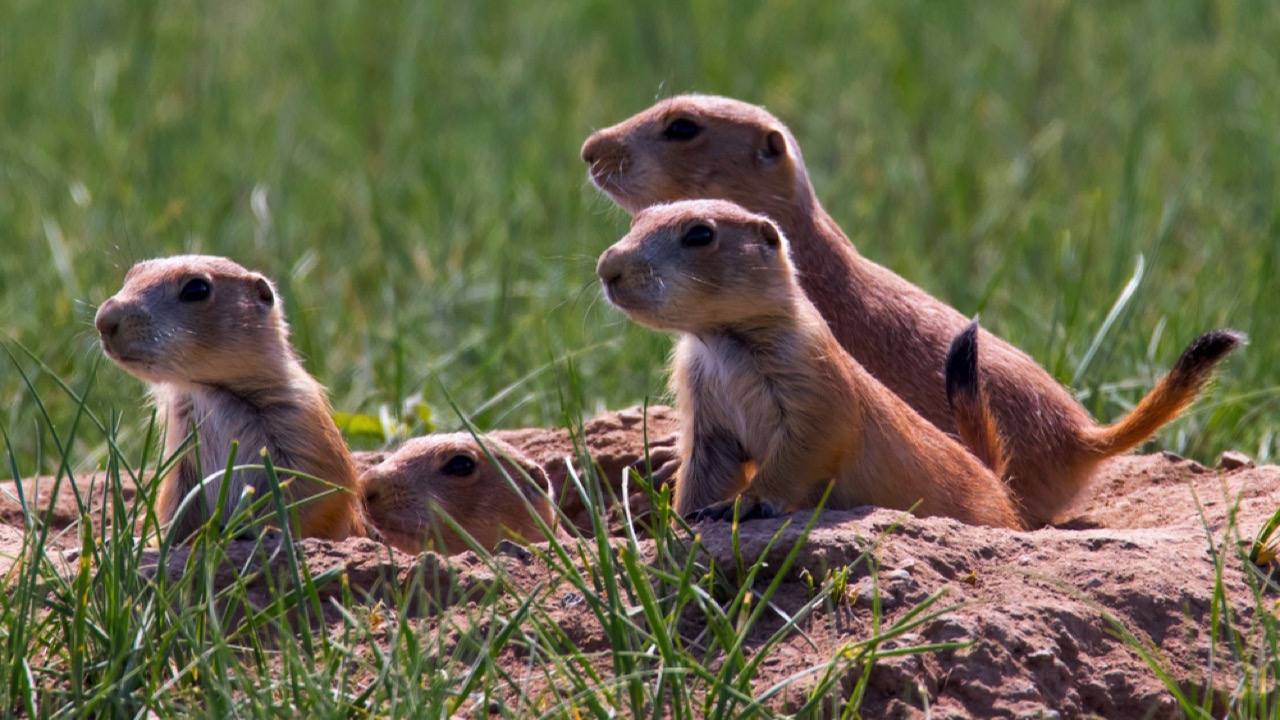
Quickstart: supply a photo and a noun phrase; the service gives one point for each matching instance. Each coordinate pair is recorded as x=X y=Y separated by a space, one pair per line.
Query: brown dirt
x=11 y=546
x=1031 y=603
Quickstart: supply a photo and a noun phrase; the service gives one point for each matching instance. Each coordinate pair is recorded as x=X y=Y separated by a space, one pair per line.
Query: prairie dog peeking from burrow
x=406 y=493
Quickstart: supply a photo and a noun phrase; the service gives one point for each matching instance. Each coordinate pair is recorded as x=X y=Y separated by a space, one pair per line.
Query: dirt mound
x=1034 y=606
x=1033 y=603
x=11 y=546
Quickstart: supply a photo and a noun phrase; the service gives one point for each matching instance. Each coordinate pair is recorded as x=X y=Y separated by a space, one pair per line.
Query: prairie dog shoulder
x=210 y=339
x=406 y=493
x=760 y=379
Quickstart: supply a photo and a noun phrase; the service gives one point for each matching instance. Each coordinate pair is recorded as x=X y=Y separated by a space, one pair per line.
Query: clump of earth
x=1041 y=612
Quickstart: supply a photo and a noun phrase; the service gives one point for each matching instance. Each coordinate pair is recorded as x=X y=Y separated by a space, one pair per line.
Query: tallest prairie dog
x=697 y=146
x=759 y=379
x=210 y=339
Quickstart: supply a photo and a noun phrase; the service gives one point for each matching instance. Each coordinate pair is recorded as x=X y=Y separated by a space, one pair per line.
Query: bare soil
x=1041 y=609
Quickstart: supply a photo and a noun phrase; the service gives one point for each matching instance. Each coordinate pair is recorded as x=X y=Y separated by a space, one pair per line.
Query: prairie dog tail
x=1171 y=395
x=974 y=421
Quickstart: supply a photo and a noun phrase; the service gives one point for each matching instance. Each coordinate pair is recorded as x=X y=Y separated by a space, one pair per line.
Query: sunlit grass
x=240 y=627
x=408 y=173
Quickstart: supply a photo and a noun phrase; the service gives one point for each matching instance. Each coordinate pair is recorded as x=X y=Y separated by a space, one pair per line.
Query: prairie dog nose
x=597 y=147
x=372 y=487
x=610 y=266
x=107 y=321
x=590 y=149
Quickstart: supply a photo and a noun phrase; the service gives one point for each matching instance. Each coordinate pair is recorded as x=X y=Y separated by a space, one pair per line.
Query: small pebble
x=1232 y=460
x=1042 y=656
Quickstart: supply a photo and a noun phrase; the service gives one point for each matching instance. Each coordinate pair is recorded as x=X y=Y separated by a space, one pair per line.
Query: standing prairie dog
x=210 y=339
x=759 y=378
x=697 y=146
x=406 y=493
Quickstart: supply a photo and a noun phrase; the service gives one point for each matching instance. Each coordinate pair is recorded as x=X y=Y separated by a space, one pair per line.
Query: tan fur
x=406 y=492
x=897 y=331
x=760 y=379
x=223 y=367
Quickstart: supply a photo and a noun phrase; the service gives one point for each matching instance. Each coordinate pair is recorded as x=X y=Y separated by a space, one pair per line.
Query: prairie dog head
x=699 y=146
x=405 y=494
x=696 y=265
x=193 y=319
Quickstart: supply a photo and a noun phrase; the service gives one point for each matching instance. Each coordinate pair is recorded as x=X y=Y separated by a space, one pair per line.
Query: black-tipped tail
x=962 y=366
x=1170 y=396
x=974 y=422
x=1197 y=362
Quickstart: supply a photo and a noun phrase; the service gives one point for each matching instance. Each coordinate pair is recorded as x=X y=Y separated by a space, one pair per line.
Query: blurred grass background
x=408 y=172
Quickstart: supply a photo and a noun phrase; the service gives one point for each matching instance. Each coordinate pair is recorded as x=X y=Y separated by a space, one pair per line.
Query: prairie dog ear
x=539 y=476
x=264 y=292
x=770 y=234
x=773 y=148
x=518 y=462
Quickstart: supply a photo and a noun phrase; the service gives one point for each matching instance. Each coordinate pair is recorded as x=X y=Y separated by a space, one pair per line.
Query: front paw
x=662 y=462
x=748 y=508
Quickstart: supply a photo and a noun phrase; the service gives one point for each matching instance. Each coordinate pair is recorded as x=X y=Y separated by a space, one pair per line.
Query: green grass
x=408 y=174
x=107 y=636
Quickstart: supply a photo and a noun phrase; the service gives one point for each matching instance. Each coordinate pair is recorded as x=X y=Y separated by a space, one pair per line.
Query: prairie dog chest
x=219 y=419
x=735 y=386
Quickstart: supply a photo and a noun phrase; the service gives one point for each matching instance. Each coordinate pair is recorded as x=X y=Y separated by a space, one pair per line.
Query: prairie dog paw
x=662 y=462
x=750 y=508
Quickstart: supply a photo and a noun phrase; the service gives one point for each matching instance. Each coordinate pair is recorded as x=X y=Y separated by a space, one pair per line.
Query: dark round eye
x=698 y=236
x=195 y=291
x=459 y=466
x=681 y=130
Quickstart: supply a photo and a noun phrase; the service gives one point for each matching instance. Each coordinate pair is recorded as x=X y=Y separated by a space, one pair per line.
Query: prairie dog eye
x=698 y=236
x=459 y=466
x=196 y=290
x=681 y=130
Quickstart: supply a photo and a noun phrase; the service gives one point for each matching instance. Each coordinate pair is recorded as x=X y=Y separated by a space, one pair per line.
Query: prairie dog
x=696 y=146
x=210 y=339
x=615 y=441
x=760 y=379
x=405 y=493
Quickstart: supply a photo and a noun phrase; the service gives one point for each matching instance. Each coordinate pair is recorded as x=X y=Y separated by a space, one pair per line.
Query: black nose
x=371 y=496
